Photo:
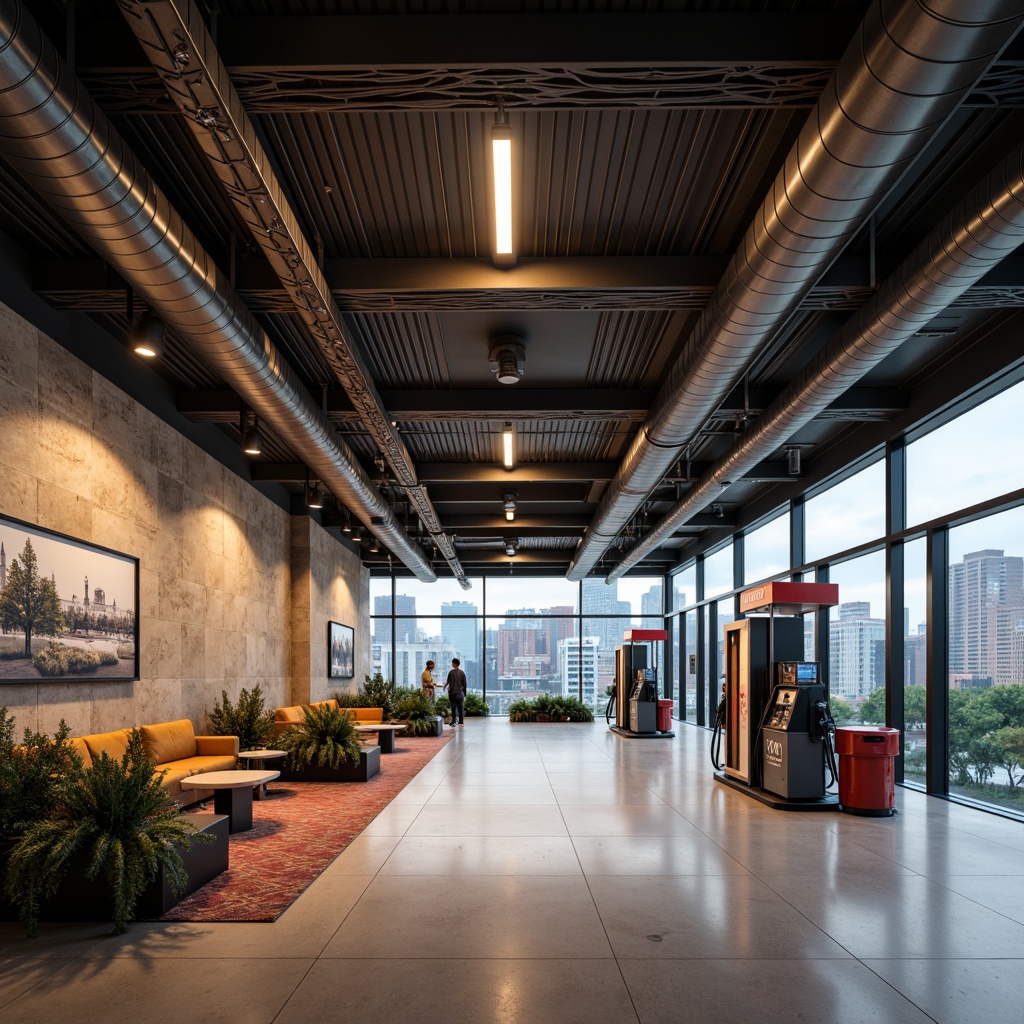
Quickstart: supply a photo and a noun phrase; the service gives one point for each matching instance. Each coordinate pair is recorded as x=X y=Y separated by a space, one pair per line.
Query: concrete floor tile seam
x=57 y=966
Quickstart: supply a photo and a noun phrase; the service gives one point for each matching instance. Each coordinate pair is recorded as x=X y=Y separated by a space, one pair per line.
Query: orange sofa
x=284 y=718
x=174 y=748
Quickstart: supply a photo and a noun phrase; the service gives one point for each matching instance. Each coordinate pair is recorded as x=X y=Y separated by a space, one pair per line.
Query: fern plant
x=116 y=815
x=248 y=719
x=325 y=737
x=414 y=708
x=476 y=706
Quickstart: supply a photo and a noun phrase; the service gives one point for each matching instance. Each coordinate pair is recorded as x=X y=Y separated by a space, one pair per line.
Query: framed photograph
x=68 y=609
x=341 y=642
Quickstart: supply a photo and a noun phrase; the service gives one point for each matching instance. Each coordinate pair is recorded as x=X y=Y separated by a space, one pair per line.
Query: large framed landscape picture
x=340 y=651
x=68 y=609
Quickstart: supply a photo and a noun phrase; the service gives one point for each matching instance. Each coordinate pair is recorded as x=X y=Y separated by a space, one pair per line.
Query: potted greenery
x=415 y=709
x=117 y=819
x=248 y=719
x=324 y=747
x=381 y=693
x=30 y=776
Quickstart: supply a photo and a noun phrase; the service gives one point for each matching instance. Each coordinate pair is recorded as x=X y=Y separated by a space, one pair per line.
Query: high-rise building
x=856 y=652
x=462 y=634
x=577 y=660
x=986 y=617
x=405 y=605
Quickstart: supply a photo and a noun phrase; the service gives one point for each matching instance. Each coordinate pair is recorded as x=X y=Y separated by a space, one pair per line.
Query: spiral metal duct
x=984 y=228
x=69 y=151
x=909 y=66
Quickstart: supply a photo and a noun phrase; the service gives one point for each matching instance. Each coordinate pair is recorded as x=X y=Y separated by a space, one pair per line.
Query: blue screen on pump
x=806 y=671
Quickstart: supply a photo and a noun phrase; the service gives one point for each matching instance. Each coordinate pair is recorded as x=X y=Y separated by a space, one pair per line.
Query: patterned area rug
x=298 y=829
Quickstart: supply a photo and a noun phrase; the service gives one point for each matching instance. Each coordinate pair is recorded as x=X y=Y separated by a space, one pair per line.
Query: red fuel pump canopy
x=638 y=635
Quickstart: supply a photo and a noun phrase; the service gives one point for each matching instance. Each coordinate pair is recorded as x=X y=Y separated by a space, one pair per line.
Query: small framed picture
x=341 y=640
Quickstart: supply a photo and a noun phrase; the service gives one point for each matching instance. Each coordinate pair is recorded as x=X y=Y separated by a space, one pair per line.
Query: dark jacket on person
x=456 y=683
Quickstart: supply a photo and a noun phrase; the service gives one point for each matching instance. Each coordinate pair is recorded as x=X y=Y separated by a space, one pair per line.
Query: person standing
x=427 y=681
x=456 y=684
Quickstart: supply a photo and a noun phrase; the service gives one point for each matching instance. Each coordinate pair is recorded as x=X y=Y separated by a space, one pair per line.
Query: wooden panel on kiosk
x=789 y=598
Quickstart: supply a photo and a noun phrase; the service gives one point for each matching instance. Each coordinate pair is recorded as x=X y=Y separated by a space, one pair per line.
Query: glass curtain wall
x=915 y=661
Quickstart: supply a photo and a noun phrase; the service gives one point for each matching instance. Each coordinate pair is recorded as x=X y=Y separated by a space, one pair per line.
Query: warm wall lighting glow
x=507 y=446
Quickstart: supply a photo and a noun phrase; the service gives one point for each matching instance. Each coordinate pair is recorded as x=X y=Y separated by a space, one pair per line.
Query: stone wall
x=80 y=457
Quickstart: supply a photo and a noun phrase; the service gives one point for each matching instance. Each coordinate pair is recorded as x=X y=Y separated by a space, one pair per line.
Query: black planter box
x=368 y=766
x=83 y=899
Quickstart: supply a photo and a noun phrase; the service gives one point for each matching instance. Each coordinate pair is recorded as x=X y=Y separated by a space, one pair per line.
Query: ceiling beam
x=404 y=285
x=533 y=472
x=859 y=403
x=539 y=525
x=354 y=63
x=319 y=44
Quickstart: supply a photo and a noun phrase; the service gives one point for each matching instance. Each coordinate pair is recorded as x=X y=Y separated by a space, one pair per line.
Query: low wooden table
x=259 y=756
x=385 y=734
x=232 y=793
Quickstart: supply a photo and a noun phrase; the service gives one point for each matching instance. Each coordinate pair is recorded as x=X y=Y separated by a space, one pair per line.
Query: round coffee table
x=259 y=756
x=385 y=734
x=232 y=793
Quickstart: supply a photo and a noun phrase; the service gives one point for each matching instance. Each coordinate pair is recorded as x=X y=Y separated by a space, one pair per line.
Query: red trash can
x=664 y=716
x=867 y=775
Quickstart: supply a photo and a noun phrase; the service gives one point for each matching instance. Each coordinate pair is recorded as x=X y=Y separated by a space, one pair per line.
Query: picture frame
x=68 y=608
x=341 y=643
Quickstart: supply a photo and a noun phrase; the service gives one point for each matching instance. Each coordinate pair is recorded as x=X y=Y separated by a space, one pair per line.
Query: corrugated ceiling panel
x=403 y=350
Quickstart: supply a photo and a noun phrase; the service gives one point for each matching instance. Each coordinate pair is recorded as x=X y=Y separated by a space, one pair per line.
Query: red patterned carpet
x=298 y=830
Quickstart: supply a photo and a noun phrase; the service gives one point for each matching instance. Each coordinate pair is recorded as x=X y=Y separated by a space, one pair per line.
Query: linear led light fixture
x=508 y=446
x=501 y=171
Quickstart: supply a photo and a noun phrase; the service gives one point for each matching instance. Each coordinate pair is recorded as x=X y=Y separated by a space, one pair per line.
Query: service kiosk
x=775 y=701
x=636 y=685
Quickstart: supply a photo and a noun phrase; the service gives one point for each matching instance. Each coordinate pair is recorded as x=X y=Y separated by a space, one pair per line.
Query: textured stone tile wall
x=329 y=583
x=79 y=456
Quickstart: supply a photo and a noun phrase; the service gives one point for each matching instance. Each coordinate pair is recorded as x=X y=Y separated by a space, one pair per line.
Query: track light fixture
x=508 y=455
x=374 y=547
x=357 y=534
x=510 y=500
x=346 y=522
x=511 y=545
x=252 y=438
x=147 y=337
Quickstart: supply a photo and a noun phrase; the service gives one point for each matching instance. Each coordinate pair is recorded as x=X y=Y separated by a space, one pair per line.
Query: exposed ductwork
x=985 y=227
x=174 y=37
x=909 y=66
x=66 y=147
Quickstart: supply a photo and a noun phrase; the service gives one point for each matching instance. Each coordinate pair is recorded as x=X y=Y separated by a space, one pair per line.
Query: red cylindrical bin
x=664 y=716
x=867 y=776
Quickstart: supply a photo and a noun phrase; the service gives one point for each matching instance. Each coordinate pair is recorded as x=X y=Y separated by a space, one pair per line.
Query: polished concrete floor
x=550 y=873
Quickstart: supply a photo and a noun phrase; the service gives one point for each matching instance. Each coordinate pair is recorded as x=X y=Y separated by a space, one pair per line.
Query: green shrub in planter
x=557 y=709
x=326 y=737
x=413 y=707
x=248 y=719
x=443 y=707
x=116 y=815
x=354 y=700
x=476 y=706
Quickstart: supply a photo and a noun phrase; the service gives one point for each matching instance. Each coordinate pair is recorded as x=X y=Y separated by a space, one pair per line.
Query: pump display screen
x=797 y=673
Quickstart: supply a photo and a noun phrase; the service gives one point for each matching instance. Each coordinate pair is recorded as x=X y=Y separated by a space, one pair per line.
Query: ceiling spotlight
x=508 y=446
x=346 y=522
x=315 y=495
x=501 y=168
x=510 y=500
x=147 y=337
x=507 y=355
x=718 y=511
x=374 y=547
x=357 y=533
x=793 y=456
x=252 y=439
x=511 y=544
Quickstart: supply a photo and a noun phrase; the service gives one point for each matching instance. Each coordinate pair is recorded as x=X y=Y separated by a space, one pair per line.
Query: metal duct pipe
x=175 y=39
x=908 y=68
x=69 y=151
x=985 y=227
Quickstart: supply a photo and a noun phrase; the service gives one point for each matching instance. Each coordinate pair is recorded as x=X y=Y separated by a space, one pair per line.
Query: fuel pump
x=792 y=738
x=636 y=685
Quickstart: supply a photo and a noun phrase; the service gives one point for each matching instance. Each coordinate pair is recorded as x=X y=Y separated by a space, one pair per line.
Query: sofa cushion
x=289 y=716
x=169 y=741
x=81 y=748
x=113 y=744
x=366 y=716
x=175 y=771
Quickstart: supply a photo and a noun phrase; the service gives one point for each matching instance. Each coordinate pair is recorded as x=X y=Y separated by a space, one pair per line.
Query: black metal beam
x=401 y=285
x=535 y=472
x=856 y=405
x=539 y=525
x=319 y=44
